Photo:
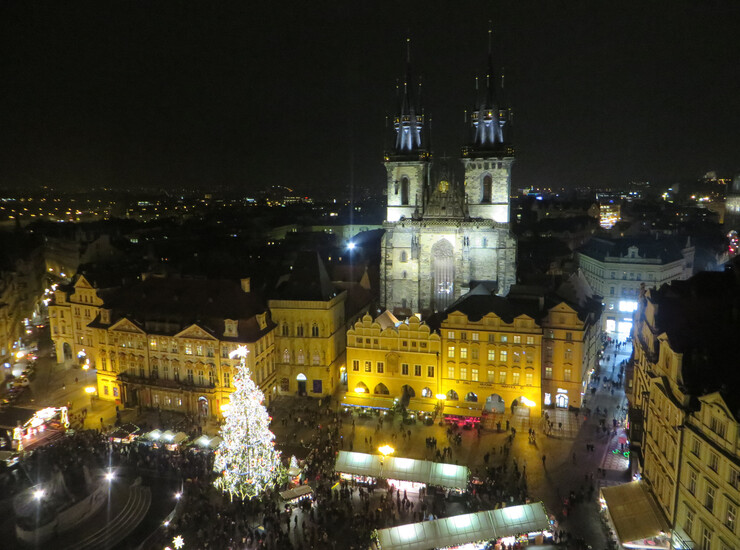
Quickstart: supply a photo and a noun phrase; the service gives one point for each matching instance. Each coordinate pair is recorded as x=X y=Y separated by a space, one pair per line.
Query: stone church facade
x=447 y=227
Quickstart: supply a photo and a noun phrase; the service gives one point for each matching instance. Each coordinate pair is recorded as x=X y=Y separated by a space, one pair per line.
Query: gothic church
x=442 y=235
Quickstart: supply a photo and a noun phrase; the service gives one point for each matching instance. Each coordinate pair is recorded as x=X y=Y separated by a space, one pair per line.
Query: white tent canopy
x=465 y=528
x=449 y=476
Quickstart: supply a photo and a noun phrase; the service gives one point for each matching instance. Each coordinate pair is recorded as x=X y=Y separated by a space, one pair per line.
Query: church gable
x=83 y=283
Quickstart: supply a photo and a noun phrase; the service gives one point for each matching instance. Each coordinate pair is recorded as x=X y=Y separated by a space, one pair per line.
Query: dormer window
x=230 y=328
x=262 y=320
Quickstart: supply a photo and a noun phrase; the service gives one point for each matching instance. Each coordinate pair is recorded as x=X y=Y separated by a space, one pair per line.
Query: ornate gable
x=83 y=283
x=195 y=332
x=124 y=325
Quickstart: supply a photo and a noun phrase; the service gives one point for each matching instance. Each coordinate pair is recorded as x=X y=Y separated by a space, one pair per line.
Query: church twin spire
x=409 y=122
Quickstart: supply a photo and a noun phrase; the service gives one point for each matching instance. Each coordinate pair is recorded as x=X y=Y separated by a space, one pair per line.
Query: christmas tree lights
x=246 y=459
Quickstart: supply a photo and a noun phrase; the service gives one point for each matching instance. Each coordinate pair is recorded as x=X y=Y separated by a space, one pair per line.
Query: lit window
x=450 y=372
x=474 y=336
x=504 y=338
x=528 y=378
x=491 y=376
x=463 y=353
x=515 y=376
x=463 y=373
x=517 y=339
x=566 y=375
x=451 y=352
x=491 y=354
x=502 y=377
x=450 y=335
x=474 y=375
x=504 y=356
x=368 y=366
x=188 y=349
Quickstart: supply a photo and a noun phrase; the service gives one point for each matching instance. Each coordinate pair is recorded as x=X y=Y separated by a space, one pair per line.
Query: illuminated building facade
x=484 y=356
x=618 y=268
x=311 y=335
x=685 y=407
x=442 y=234
x=165 y=343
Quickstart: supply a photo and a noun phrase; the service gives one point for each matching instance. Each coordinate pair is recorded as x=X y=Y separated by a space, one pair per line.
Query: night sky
x=245 y=94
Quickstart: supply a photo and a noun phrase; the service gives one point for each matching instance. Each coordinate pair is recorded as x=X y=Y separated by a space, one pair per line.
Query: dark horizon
x=235 y=95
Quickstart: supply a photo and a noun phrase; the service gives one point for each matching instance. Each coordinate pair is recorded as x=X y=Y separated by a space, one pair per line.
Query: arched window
x=315 y=330
x=286 y=329
x=443 y=271
x=381 y=389
x=486 y=186
x=286 y=356
x=315 y=358
x=301 y=358
x=452 y=396
x=404 y=190
x=299 y=330
x=360 y=388
x=426 y=392
x=471 y=398
x=404 y=256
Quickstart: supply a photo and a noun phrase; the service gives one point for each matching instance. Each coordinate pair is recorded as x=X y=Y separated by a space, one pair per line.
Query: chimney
x=246 y=285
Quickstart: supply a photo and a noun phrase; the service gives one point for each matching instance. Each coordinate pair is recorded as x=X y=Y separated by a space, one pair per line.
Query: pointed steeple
x=408 y=124
x=489 y=118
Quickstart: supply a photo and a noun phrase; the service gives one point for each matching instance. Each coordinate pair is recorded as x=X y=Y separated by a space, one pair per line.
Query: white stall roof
x=208 y=442
x=449 y=476
x=154 y=435
x=465 y=528
x=296 y=492
x=407 y=469
x=359 y=464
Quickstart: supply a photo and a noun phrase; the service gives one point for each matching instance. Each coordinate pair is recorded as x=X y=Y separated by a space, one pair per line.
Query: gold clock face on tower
x=443 y=186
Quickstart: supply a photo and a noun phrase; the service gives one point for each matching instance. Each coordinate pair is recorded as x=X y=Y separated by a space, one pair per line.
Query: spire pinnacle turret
x=409 y=123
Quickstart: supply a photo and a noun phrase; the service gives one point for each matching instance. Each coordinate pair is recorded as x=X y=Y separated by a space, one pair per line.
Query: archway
x=471 y=398
x=361 y=388
x=427 y=392
x=452 y=396
x=443 y=273
x=495 y=404
x=301 y=378
x=381 y=389
x=521 y=407
x=561 y=401
x=407 y=392
x=203 y=407
x=66 y=351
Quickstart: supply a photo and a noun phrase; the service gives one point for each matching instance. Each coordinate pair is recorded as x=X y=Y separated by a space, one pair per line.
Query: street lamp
x=386 y=450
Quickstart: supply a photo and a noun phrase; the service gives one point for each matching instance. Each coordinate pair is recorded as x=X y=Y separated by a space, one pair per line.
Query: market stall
x=173 y=440
x=528 y=522
x=24 y=428
x=403 y=473
x=297 y=494
x=208 y=443
x=125 y=434
x=634 y=516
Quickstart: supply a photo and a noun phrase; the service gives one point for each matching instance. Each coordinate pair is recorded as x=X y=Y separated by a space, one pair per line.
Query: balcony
x=164 y=383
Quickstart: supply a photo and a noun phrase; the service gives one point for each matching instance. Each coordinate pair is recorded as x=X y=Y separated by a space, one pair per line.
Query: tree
x=247 y=461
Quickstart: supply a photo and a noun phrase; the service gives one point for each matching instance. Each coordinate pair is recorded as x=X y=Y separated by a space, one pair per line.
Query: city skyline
x=170 y=95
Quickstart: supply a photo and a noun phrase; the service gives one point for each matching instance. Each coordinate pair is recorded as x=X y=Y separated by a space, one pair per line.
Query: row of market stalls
x=525 y=524
x=25 y=428
x=405 y=473
x=131 y=433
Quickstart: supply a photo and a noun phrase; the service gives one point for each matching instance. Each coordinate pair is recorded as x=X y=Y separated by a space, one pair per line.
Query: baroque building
x=684 y=410
x=445 y=232
x=617 y=269
x=166 y=343
x=484 y=356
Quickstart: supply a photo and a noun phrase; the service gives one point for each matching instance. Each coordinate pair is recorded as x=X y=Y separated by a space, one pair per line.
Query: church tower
x=488 y=159
x=407 y=162
x=443 y=233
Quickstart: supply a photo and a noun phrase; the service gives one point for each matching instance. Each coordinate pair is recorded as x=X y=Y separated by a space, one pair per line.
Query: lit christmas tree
x=246 y=459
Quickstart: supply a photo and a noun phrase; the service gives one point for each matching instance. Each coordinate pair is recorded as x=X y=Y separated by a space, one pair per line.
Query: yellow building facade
x=491 y=366
x=310 y=342
x=388 y=360
x=154 y=357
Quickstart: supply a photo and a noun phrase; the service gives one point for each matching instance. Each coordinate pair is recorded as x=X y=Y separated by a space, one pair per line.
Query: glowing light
x=20 y=354
x=109 y=476
x=386 y=450
x=178 y=542
x=90 y=389
x=441 y=396
x=241 y=352
x=178 y=495
x=528 y=402
x=225 y=408
x=38 y=494
x=351 y=245
x=360 y=389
